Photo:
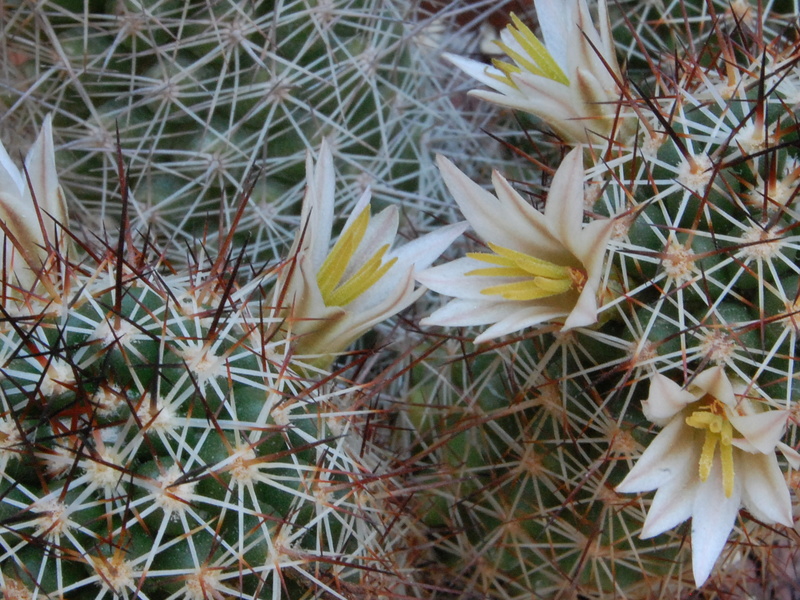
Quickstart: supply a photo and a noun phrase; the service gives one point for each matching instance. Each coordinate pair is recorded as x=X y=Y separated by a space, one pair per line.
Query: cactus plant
x=206 y=95
x=158 y=439
x=164 y=433
x=531 y=462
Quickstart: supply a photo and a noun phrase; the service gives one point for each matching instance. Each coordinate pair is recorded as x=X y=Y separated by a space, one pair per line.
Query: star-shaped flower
x=332 y=295
x=570 y=81
x=32 y=214
x=715 y=453
x=542 y=267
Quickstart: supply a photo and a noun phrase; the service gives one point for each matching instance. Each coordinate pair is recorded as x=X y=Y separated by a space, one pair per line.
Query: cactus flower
x=335 y=294
x=542 y=267
x=570 y=81
x=32 y=212
x=715 y=453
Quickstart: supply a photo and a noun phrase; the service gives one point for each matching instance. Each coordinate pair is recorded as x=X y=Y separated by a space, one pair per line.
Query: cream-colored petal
x=520 y=318
x=316 y=216
x=381 y=231
x=763 y=430
x=713 y=517
x=589 y=247
x=420 y=253
x=535 y=236
x=584 y=311
x=564 y=207
x=764 y=490
x=468 y=312
x=554 y=18
x=497 y=220
x=669 y=456
x=451 y=279
x=672 y=504
x=665 y=400
x=484 y=73
x=714 y=382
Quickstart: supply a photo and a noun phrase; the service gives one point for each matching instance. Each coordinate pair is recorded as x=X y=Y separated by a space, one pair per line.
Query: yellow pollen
x=334 y=291
x=718 y=431
x=541 y=278
x=536 y=59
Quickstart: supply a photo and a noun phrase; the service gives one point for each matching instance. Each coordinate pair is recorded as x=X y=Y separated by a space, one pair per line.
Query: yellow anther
x=329 y=277
x=718 y=431
x=536 y=59
x=334 y=266
x=542 y=278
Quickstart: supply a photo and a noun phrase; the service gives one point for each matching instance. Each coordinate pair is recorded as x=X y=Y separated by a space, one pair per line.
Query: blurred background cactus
x=214 y=463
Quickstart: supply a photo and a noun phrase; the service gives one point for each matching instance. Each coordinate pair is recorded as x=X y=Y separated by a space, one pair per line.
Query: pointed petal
x=12 y=182
x=484 y=73
x=666 y=399
x=316 y=218
x=713 y=381
x=589 y=247
x=763 y=430
x=584 y=313
x=467 y=312
x=713 y=517
x=537 y=239
x=671 y=506
x=451 y=279
x=564 y=208
x=41 y=166
x=553 y=16
x=526 y=316
x=667 y=457
x=502 y=221
x=381 y=231
x=790 y=454
x=421 y=252
x=764 y=489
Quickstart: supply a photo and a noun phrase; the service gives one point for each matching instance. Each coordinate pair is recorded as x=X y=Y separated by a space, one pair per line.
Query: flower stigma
x=538 y=60
x=548 y=279
x=718 y=430
x=329 y=278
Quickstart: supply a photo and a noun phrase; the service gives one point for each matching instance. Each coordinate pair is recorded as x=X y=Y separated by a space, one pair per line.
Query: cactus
x=157 y=437
x=187 y=425
x=534 y=442
x=206 y=95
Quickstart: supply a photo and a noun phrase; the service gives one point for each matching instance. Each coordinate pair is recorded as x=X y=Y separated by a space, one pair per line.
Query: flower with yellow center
x=570 y=81
x=541 y=268
x=715 y=453
x=330 y=296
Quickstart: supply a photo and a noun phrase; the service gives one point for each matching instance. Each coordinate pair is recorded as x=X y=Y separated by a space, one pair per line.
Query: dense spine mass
x=183 y=414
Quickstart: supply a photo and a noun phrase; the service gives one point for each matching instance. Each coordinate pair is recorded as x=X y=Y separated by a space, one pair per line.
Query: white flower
x=570 y=81
x=32 y=215
x=334 y=295
x=715 y=454
x=543 y=267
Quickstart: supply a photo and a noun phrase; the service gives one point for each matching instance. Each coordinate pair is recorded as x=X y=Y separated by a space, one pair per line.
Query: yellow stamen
x=334 y=266
x=536 y=60
x=363 y=279
x=542 y=278
x=329 y=277
x=718 y=431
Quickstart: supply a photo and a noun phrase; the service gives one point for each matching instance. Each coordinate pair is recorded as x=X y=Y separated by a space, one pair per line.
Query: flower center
x=541 y=278
x=336 y=292
x=718 y=431
x=531 y=56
